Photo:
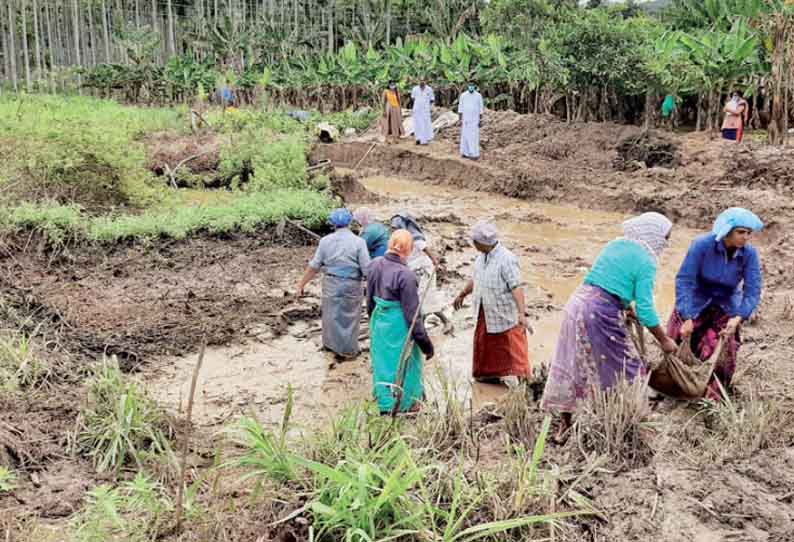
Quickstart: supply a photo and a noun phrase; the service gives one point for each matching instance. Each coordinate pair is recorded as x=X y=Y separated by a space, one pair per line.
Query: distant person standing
x=423 y=98
x=470 y=108
x=736 y=116
x=669 y=107
x=392 y=113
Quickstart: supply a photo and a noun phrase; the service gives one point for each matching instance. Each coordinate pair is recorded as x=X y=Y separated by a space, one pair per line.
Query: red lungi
x=500 y=354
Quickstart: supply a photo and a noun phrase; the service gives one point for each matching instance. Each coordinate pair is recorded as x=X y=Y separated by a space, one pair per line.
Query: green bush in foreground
x=376 y=485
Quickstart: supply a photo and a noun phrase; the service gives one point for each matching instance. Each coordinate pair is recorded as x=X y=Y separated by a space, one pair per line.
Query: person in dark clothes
x=393 y=303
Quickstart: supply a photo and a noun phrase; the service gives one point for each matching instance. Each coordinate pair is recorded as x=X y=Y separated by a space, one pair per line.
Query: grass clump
x=138 y=510
x=8 y=480
x=363 y=479
x=20 y=367
x=63 y=224
x=614 y=423
x=737 y=428
x=120 y=423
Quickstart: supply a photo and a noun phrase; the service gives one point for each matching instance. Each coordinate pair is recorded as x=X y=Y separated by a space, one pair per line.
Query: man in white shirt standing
x=470 y=108
x=423 y=98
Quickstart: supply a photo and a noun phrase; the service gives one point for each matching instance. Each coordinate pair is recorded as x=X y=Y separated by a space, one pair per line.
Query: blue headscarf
x=735 y=217
x=341 y=218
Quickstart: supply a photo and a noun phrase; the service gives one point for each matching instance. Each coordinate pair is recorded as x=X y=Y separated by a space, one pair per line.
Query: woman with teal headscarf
x=374 y=233
x=717 y=288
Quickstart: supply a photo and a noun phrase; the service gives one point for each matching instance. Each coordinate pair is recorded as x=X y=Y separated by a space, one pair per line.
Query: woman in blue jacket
x=717 y=288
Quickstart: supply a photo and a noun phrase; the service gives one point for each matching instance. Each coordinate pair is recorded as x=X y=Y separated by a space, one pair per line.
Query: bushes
x=79 y=149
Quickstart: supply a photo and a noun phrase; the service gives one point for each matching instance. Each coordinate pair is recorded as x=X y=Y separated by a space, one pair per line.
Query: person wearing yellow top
x=392 y=113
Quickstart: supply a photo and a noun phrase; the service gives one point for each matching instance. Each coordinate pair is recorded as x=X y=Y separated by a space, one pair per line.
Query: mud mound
x=766 y=167
x=647 y=149
x=348 y=188
x=89 y=183
x=141 y=301
x=168 y=149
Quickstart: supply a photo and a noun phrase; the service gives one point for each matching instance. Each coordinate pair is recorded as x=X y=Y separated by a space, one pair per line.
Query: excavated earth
x=557 y=190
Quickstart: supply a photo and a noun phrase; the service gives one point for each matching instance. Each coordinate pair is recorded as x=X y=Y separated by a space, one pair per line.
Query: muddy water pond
x=556 y=244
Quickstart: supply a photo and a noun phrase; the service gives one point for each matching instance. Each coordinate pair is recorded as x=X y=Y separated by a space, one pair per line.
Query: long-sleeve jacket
x=391 y=280
x=709 y=276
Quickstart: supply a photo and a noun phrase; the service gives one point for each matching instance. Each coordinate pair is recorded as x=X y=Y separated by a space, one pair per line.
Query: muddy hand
x=687 y=328
x=733 y=324
x=668 y=346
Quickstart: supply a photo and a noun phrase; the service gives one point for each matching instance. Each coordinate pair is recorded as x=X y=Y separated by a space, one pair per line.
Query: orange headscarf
x=401 y=243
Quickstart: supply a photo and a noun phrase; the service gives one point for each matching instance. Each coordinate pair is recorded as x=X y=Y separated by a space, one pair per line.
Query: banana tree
x=724 y=59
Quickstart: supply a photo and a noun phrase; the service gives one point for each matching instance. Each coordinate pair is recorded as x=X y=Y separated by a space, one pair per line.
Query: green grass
x=8 y=480
x=20 y=367
x=120 y=424
x=70 y=145
x=362 y=480
x=138 y=510
x=246 y=212
x=69 y=154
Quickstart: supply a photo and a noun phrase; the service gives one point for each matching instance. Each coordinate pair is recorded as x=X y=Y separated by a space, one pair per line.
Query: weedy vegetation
x=120 y=424
x=8 y=480
x=21 y=368
x=614 y=423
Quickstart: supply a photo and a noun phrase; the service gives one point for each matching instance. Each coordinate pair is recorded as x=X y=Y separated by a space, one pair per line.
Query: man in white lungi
x=470 y=108
x=423 y=98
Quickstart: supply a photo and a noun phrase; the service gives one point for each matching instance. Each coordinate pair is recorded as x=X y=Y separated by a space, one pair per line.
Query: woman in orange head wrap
x=393 y=303
x=401 y=243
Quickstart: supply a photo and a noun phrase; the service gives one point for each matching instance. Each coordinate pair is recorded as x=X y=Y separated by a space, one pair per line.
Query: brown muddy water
x=556 y=244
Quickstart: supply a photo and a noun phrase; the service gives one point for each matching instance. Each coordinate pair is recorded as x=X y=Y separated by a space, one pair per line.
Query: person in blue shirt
x=717 y=288
x=343 y=259
x=594 y=348
x=374 y=233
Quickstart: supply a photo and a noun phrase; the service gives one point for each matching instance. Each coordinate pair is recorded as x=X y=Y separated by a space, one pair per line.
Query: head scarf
x=406 y=221
x=650 y=230
x=340 y=218
x=485 y=233
x=363 y=216
x=735 y=217
x=401 y=243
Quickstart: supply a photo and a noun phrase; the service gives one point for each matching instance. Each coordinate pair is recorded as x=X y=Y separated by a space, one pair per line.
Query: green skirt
x=388 y=330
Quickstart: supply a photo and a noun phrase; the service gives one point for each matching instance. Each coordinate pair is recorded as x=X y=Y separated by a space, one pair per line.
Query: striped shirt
x=496 y=275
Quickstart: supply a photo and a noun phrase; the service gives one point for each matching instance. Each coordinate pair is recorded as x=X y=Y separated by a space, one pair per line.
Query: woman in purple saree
x=594 y=349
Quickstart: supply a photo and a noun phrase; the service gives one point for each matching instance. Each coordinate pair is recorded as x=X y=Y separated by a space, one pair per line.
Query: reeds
x=614 y=423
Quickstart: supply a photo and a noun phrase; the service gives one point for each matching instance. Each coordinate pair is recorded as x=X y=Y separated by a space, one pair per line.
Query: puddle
x=556 y=244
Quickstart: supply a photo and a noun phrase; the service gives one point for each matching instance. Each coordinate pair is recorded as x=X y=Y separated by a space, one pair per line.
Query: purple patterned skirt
x=594 y=349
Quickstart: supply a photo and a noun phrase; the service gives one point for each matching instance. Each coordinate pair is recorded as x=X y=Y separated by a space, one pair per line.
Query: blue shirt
x=342 y=254
x=377 y=237
x=709 y=277
x=626 y=269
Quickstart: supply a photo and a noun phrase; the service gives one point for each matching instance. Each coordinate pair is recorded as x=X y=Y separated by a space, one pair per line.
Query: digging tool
x=364 y=157
x=403 y=365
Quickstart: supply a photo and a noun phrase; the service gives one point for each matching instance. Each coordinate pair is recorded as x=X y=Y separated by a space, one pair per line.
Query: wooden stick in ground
x=304 y=230
x=363 y=157
x=403 y=365
x=180 y=492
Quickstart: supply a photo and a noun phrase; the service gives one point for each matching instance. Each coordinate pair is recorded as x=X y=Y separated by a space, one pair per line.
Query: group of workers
x=718 y=287
x=470 y=108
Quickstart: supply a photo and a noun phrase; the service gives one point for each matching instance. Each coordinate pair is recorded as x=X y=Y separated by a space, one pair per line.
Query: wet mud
x=556 y=195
